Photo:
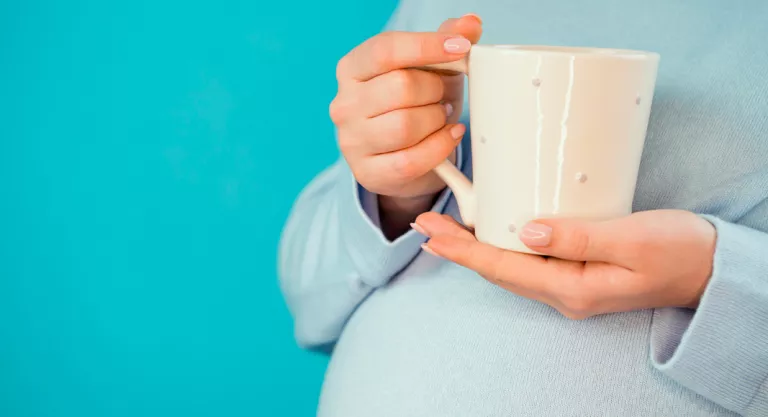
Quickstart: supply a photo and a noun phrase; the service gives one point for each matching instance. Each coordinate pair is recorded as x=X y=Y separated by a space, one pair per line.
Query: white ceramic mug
x=556 y=132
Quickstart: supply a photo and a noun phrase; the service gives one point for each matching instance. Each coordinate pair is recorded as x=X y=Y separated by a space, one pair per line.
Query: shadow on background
x=149 y=154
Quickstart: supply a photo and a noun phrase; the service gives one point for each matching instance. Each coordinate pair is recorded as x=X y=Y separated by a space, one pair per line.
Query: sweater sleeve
x=720 y=350
x=333 y=254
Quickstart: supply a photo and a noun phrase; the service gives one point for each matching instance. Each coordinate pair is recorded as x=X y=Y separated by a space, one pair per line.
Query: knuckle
x=341 y=67
x=335 y=110
x=571 y=315
x=341 y=108
x=345 y=142
x=406 y=166
x=579 y=302
x=403 y=85
x=402 y=125
x=360 y=174
x=438 y=87
x=499 y=269
x=439 y=118
x=444 y=144
x=382 y=51
x=432 y=121
x=496 y=273
x=387 y=36
x=580 y=242
x=638 y=247
x=423 y=45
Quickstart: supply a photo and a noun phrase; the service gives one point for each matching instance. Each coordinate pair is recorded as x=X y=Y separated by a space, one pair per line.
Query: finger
x=528 y=272
x=400 y=89
x=414 y=162
x=394 y=90
x=469 y=26
x=576 y=240
x=402 y=129
x=397 y=50
x=435 y=224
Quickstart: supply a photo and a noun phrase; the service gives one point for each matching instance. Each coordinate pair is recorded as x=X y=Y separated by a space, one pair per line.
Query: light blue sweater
x=413 y=335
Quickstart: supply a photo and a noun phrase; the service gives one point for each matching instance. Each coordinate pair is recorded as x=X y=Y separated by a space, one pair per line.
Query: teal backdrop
x=149 y=154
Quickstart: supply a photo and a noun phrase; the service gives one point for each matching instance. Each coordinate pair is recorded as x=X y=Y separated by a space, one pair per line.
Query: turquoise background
x=149 y=154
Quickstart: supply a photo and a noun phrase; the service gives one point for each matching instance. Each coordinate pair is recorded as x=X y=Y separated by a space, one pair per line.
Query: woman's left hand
x=649 y=259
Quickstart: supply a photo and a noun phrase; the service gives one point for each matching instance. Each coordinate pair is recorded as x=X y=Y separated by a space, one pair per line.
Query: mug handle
x=452 y=176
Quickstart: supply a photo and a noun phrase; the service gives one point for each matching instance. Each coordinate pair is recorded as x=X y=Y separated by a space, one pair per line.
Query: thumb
x=574 y=240
x=469 y=26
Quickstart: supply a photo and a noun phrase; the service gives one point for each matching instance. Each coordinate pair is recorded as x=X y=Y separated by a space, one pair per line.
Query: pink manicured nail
x=448 y=109
x=457 y=45
x=419 y=229
x=536 y=234
x=458 y=131
x=429 y=250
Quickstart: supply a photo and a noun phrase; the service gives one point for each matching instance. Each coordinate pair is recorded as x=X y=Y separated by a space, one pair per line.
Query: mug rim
x=524 y=49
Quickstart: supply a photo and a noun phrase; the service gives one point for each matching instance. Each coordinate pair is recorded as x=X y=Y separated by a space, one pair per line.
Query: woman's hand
x=646 y=260
x=395 y=123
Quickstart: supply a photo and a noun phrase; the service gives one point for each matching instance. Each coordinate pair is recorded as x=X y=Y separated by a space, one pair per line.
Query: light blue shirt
x=414 y=335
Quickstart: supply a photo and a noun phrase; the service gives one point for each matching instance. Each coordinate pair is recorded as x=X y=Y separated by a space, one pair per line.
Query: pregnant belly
x=447 y=343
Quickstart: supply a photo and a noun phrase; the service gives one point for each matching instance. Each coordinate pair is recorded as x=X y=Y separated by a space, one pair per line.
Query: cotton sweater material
x=414 y=335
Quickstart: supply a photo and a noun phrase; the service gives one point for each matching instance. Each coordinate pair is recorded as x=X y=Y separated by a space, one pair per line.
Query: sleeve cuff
x=376 y=257
x=720 y=351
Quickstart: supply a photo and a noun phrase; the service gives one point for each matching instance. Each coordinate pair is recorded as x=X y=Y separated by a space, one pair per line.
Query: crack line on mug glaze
x=539 y=130
x=563 y=137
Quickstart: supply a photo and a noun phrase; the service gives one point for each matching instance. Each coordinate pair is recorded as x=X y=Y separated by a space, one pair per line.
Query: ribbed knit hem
x=720 y=351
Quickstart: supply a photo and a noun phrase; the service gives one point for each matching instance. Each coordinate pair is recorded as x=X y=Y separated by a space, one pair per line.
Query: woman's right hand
x=396 y=123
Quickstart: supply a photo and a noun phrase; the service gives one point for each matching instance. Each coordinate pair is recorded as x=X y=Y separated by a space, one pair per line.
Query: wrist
x=707 y=240
x=397 y=213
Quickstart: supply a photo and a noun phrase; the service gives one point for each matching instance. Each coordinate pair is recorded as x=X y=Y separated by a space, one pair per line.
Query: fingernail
x=419 y=229
x=448 y=109
x=457 y=45
x=429 y=250
x=475 y=16
x=536 y=234
x=458 y=131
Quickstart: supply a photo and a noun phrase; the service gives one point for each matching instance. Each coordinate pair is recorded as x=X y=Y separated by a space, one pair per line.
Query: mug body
x=556 y=132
